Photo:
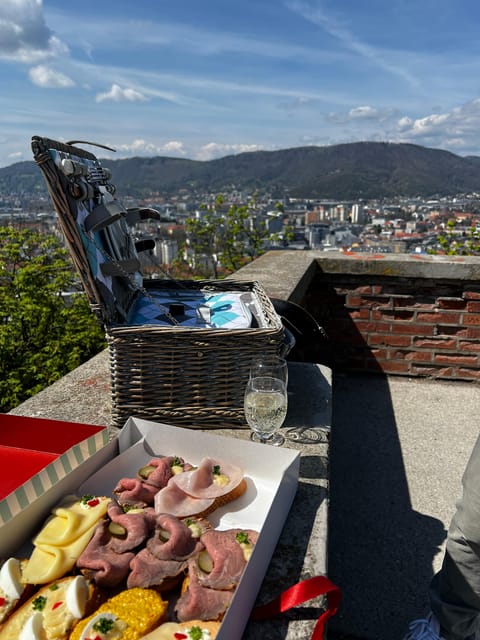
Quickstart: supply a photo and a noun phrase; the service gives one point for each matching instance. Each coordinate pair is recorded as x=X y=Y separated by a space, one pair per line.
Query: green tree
x=453 y=243
x=226 y=238
x=43 y=333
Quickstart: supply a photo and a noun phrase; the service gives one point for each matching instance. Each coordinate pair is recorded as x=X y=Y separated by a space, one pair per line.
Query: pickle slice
x=117 y=530
x=205 y=561
x=144 y=472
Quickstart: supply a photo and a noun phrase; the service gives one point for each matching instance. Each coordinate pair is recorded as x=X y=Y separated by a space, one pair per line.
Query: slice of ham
x=201 y=603
x=200 y=482
x=171 y=499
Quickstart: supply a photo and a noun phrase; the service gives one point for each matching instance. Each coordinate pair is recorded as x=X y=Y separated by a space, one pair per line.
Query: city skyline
x=205 y=80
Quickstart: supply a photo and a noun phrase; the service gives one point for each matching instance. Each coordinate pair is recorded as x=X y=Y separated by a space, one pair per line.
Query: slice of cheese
x=70 y=519
x=63 y=538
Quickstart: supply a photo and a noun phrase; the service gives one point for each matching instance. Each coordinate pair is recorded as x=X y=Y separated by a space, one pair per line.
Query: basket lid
x=94 y=223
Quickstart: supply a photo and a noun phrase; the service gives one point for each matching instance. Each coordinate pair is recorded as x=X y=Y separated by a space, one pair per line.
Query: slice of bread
x=173 y=630
x=221 y=501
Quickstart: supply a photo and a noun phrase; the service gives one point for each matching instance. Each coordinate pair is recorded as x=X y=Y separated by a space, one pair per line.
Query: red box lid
x=41 y=434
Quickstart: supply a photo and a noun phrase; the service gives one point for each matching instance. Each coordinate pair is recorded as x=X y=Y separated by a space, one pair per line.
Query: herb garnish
x=39 y=603
x=242 y=538
x=104 y=625
x=216 y=470
x=195 y=633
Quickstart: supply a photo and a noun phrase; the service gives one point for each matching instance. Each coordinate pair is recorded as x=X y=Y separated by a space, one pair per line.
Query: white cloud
x=216 y=150
x=24 y=36
x=117 y=94
x=44 y=76
x=362 y=113
x=140 y=147
x=176 y=147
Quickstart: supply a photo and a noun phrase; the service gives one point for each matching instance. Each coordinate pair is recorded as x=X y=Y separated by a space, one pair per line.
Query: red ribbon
x=299 y=593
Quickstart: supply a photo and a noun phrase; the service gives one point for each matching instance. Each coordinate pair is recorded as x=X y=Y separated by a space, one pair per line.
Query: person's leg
x=455 y=589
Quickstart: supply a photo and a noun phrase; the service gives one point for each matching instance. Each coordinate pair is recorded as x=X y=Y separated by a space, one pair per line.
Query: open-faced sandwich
x=53 y=611
x=193 y=630
x=201 y=490
x=129 y=615
x=13 y=588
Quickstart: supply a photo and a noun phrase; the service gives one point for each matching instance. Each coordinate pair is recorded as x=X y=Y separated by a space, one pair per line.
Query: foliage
x=221 y=241
x=43 y=334
x=465 y=243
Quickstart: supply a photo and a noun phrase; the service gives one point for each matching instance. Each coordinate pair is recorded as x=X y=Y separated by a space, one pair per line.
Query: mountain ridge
x=350 y=171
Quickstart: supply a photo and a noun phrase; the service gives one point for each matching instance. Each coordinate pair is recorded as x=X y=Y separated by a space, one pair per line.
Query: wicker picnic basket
x=191 y=373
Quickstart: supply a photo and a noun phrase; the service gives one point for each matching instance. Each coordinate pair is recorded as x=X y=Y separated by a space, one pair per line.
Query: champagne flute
x=265 y=407
x=271 y=366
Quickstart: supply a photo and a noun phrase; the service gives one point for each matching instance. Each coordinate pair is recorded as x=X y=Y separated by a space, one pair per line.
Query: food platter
x=271 y=476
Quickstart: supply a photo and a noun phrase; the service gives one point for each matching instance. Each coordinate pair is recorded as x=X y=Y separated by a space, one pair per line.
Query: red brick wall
x=397 y=325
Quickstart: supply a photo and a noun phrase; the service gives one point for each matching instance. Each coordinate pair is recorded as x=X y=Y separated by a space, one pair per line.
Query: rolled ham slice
x=203 y=482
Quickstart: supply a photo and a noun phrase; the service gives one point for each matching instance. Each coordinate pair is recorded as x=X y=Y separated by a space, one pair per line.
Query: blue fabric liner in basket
x=196 y=309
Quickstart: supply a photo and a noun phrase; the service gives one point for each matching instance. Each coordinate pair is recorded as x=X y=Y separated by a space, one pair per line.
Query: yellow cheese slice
x=63 y=538
x=49 y=562
x=70 y=519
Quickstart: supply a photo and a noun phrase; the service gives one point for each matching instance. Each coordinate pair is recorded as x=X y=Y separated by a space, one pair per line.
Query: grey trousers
x=455 y=589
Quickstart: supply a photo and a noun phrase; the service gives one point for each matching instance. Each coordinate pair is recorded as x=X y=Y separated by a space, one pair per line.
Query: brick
x=379 y=354
x=389 y=340
x=439 y=316
x=451 y=330
x=362 y=314
x=441 y=358
x=469 y=345
x=471 y=294
x=471 y=319
x=392 y=366
x=372 y=327
x=473 y=307
x=435 y=343
x=473 y=374
x=451 y=303
x=419 y=356
x=414 y=329
x=472 y=333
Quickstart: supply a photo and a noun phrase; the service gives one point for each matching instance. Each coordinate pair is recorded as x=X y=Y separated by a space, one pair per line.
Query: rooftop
x=399 y=445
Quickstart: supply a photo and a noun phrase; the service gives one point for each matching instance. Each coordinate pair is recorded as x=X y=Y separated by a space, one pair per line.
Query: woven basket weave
x=190 y=377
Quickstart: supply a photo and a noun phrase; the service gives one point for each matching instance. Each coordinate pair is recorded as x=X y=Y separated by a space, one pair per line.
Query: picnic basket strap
x=299 y=593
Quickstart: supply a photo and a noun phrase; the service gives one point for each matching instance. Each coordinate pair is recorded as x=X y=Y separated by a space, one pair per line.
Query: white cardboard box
x=272 y=478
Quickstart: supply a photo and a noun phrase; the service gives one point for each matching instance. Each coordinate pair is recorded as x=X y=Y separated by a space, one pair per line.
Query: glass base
x=276 y=439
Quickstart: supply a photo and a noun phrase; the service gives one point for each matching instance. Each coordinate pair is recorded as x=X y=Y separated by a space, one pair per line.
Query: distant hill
x=360 y=170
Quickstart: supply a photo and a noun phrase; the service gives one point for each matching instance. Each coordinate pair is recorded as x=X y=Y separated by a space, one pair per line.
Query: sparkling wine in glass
x=265 y=407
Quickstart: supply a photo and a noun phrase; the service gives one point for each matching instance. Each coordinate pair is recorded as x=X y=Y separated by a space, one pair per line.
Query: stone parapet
x=396 y=314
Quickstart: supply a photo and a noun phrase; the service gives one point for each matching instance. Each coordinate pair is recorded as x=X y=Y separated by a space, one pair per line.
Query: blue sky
x=207 y=78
